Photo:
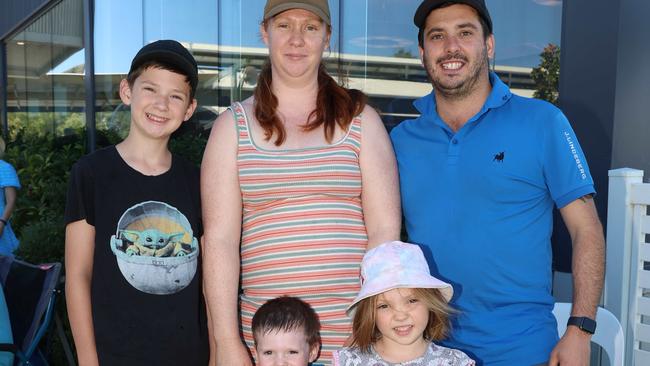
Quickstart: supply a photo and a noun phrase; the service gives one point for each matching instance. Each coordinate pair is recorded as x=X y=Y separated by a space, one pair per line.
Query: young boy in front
x=286 y=332
x=133 y=219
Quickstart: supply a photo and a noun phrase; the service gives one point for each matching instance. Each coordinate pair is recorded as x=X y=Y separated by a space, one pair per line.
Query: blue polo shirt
x=480 y=203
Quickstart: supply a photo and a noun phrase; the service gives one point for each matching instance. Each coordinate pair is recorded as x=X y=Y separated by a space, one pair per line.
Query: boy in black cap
x=133 y=219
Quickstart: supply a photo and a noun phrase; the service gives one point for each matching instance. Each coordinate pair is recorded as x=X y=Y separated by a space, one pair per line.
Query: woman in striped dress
x=297 y=182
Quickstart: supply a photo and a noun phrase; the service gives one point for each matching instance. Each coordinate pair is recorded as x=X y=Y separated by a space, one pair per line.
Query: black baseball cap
x=172 y=53
x=428 y=6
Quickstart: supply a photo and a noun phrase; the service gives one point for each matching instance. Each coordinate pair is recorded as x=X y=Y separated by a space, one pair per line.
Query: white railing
x=627 y=283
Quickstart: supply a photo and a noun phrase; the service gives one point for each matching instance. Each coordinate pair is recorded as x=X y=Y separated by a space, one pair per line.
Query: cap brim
x=427 y=7
x=167 y=56
x=297 y=5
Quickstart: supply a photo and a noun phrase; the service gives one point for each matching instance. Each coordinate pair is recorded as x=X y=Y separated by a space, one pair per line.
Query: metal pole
x=3 y=88
x=89 y=79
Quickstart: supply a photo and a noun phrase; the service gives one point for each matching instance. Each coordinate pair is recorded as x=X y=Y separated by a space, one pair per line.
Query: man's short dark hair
x=484 y=26
x=287 y=314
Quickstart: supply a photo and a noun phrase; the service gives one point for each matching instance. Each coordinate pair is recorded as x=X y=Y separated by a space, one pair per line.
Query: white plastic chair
x=609 y=334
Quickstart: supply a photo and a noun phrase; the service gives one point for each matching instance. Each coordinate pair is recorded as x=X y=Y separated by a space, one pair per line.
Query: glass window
x=380 y=52
x=122 y=27
x=374 y=48
x=45 y=66
x=523 y=28
x=379 y=48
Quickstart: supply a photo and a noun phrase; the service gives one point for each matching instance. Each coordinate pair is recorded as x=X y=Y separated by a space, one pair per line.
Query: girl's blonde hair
x=365 y=331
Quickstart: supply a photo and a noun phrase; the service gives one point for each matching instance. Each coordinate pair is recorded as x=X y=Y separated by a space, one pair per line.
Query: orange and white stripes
x=303 y=232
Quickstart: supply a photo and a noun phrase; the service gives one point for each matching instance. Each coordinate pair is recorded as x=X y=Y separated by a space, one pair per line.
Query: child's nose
x=281 y=360
x=401 y=313
x=161 y=102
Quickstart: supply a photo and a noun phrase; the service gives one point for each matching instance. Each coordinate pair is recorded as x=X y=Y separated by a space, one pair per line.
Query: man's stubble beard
x=458 y=90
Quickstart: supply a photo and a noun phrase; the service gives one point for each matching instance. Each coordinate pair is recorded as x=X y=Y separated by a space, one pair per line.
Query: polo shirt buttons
x=454 y=141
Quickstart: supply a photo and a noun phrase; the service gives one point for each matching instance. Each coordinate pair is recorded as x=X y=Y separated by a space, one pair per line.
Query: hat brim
x=298 y=5
x=388 y=283
x=426 y=7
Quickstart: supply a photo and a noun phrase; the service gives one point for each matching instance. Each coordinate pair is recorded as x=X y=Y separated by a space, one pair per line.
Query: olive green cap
x=318 y=7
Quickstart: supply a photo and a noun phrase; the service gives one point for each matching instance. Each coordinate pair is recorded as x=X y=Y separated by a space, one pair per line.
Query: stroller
x=30 y=292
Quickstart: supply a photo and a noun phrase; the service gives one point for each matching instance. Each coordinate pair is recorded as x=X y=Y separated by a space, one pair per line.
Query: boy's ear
x=190 y=110
x=313 y=352
x=125 y=92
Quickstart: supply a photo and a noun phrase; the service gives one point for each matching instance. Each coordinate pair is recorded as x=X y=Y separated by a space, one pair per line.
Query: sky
x=369 y=27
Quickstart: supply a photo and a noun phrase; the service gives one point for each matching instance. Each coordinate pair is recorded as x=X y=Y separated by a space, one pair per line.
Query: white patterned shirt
x=434 y=356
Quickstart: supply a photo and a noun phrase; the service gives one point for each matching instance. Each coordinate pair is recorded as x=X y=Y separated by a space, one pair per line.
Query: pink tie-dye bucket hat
x=396 y=265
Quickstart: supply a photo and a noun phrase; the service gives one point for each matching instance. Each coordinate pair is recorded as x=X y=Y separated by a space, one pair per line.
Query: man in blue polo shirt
x=480 y=172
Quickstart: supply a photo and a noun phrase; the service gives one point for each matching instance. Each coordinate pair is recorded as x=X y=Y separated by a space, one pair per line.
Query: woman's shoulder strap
x=241 y=122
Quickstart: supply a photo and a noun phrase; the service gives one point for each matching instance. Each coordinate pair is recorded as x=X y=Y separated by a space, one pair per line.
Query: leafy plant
x=40 y=241
x=190 y=145
x=403 y=53
x=43 y=164
x=547 y=75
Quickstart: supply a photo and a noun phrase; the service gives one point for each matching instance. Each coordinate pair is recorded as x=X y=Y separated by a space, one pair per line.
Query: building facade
x=63 y=60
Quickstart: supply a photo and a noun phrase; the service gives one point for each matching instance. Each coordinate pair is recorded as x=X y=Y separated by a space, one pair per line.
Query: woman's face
x=296 y=39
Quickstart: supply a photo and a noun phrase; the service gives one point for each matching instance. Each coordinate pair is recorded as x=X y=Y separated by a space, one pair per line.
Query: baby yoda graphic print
x=155 y=248
x=154 y=243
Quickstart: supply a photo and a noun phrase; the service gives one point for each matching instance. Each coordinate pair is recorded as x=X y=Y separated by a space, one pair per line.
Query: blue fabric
x=8 y=178
x=6 y=358
x=480 y=203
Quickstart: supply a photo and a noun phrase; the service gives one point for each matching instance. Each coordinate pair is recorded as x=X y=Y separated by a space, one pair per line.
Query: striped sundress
x=303 y=232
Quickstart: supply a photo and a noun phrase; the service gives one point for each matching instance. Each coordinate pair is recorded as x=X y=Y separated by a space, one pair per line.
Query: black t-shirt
x=147 y=303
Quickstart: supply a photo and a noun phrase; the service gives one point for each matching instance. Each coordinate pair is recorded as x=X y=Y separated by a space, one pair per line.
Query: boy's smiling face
x=160 y=102
x=278 y=347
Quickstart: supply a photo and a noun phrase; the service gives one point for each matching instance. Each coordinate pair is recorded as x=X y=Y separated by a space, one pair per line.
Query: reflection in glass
x=45 y=73
x=374 y=48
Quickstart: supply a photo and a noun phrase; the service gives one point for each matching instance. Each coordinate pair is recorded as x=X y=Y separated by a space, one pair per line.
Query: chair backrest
x=609 y=334
x=29 y=293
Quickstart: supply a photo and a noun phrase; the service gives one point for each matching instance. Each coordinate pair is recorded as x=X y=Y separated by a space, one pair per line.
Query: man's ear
x=125 y=92
x=421 y=51
x=489 y=45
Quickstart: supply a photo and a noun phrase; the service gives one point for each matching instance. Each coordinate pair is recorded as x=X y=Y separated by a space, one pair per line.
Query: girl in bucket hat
x=399 y=312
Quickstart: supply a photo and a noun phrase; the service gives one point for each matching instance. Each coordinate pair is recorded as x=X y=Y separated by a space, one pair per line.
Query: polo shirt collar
x=499 y=96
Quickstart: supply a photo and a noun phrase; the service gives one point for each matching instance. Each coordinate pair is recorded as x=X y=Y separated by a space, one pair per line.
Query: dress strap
x=241 y=123
x=354 y=134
